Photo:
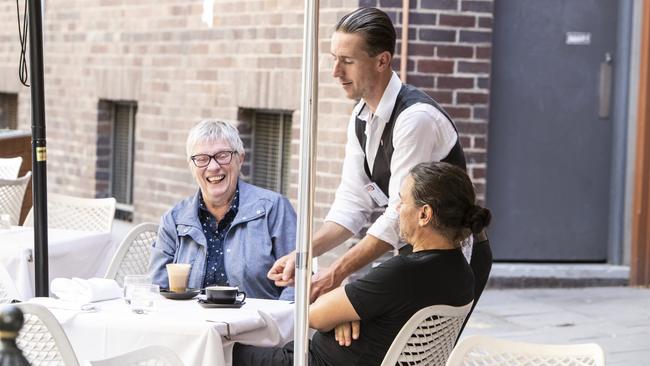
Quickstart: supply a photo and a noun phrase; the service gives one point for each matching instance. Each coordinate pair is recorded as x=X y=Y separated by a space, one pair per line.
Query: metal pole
x=308 y=123
x=39 y=150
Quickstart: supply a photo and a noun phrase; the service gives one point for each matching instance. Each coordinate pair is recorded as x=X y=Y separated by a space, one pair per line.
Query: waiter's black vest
x=408 y=95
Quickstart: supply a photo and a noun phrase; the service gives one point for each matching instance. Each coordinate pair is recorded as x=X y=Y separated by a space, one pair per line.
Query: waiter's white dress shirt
x=421 y=133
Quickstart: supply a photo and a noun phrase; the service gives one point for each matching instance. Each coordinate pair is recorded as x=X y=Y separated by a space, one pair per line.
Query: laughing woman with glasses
x=230 y=232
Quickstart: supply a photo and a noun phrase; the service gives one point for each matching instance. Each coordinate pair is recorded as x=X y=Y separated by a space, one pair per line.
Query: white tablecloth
x=71 y=253
x=196 y=334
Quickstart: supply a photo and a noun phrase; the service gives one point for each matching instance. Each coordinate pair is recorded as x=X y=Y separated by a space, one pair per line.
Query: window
x=115 y=154
x=271 y=149
x=8 y=111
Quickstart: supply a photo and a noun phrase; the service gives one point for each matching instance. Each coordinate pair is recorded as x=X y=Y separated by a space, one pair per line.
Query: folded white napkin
x=84 y=291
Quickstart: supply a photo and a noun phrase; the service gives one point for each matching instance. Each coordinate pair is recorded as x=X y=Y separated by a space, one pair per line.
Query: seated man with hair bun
x=437 y=212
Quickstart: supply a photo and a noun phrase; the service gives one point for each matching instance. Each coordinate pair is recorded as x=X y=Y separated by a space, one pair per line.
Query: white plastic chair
x=42 y=339
x=132 y=256
x=428 y=337
x=147 y=356
x=8 y=290
x=74 y=213
x=9 y=167
x=488 y=351
x=12 y=193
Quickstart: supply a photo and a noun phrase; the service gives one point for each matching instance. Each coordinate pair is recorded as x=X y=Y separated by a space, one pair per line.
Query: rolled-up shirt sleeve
x=352 y=206
x=422 y=133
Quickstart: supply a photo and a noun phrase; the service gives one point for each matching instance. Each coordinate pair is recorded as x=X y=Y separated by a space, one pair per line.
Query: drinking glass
x=143 y=298
x=134 y=280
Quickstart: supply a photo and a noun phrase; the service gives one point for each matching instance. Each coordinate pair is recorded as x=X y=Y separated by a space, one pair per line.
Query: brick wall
x=179 y=70
x=449 y=53
x=165 y=56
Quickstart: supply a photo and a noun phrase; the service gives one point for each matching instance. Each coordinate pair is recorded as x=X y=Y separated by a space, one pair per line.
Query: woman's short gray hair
x=211 y=131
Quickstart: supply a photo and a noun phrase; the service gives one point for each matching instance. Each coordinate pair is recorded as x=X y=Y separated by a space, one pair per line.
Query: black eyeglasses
x=222 y=158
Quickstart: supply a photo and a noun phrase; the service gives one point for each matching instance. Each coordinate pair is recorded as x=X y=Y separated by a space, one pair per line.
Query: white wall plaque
x=578 y=38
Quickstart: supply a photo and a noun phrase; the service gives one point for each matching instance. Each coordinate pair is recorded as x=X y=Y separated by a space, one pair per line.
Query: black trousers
x=244 y=355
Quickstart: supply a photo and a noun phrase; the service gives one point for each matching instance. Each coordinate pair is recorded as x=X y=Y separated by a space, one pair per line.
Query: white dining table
x=71 y=253
x=199 y=336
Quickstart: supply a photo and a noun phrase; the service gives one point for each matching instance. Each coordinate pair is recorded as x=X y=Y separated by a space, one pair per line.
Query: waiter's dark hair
x=449 y=192
x=374 y=26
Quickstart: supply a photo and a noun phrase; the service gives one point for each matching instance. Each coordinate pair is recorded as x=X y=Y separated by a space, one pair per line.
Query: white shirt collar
x=386 y=103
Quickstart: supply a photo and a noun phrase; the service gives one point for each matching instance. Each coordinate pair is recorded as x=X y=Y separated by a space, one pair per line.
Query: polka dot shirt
x=215 y=232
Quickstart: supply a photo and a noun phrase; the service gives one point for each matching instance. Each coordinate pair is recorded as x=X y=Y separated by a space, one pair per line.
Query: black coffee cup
x=224 y=294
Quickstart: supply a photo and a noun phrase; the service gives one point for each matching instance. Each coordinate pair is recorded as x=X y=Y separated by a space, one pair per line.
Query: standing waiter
x=393 y=128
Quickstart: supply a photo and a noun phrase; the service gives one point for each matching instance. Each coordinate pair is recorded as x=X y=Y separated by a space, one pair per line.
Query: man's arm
x=367 y=250
x=329 y=236
x=330 y=310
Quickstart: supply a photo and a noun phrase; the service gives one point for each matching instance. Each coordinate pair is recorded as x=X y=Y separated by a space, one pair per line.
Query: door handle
x=605 y=87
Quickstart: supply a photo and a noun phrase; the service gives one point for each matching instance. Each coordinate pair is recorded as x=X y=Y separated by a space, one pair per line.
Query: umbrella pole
x=39 y=150
x=308 y=128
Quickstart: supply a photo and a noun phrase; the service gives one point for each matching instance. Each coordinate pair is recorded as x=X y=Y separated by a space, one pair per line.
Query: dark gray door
x=550 y=142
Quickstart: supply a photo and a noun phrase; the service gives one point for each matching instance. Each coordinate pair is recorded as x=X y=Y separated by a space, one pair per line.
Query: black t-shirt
x=389 y=295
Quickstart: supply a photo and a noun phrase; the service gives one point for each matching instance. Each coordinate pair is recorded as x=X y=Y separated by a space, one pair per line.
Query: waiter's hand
x=346 y=332
x=283 y=270
x=323 y=282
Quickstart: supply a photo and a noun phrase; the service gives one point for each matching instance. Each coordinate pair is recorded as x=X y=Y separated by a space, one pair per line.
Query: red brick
x=420 y=49
x=473 y=67
x=480 y=142
x=477 y=173
x=435 y=66
x=472 y=128
x=471 y=98
x=421 y=81
x=454 y=51
x=484 y=52
x=439 y=4
x=458 y=113
x=485 y=22
x=451 y=82
x=436 y=35
x=461 y=21
x=477 y=6
x=468 y=36
x=465 y=141
x=418 y=18
x=442 y=97
x=480 y=113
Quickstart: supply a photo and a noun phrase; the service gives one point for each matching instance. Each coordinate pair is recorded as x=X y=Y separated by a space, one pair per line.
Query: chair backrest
x=9 y=167
x=147 y=356
x=8 y=290
x=428 y=337
x=487 y=351
x=132 y=256
x=74 y=213
x=12 y=193
x=42 y=339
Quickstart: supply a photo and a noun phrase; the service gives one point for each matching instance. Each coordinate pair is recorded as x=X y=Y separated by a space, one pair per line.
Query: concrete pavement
x=616 y=318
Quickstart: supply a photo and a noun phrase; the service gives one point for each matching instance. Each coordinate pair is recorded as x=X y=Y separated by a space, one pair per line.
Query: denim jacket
x=263 y=231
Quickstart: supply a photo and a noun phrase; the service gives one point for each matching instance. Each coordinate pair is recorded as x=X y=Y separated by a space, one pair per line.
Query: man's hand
x=346 y=332
x=283 y=270
x=323 y=282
